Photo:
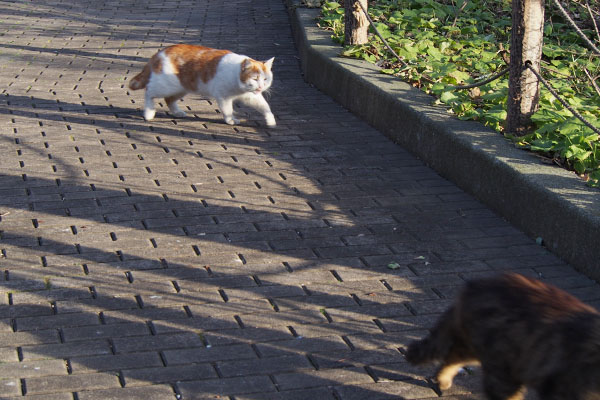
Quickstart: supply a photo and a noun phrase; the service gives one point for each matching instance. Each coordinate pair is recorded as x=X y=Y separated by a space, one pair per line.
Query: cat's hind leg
x=226 y=107
x=173 y=107
x=498 y=386
x=149 y=111
x=161 y=85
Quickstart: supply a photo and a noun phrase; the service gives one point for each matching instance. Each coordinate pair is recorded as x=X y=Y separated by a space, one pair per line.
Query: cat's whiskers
x=267 y=92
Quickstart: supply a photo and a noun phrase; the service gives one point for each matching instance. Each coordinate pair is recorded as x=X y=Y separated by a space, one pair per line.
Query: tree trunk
x=526 y=46
x=355 y=22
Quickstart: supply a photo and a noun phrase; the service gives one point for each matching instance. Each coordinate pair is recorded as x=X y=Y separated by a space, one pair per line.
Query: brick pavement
x=185 y=258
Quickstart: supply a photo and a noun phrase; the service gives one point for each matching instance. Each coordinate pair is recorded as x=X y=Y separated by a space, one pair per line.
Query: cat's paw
x=232 y=121
x=270 y=119
x=149 y=114
x=444 y=384
x=444 y=380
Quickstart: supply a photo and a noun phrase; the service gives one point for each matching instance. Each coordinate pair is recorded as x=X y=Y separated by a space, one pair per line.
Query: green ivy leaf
x=443 y=50
x=449 y=97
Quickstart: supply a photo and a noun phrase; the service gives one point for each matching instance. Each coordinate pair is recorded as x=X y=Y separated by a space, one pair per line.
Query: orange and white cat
x=225 y=76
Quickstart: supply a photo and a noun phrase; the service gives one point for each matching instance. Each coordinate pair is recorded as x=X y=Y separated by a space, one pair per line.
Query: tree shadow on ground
x=187 y=257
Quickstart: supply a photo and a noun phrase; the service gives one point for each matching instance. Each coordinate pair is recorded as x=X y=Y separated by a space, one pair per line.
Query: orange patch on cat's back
x=191 y=62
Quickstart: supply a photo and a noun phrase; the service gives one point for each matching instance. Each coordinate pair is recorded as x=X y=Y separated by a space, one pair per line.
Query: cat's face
x=256 y=76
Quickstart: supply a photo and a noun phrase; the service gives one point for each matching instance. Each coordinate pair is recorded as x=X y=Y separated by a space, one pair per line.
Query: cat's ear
x=246 y=64
x=269 y=62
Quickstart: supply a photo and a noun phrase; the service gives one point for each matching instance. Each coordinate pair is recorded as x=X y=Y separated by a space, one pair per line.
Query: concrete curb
x=542 y=200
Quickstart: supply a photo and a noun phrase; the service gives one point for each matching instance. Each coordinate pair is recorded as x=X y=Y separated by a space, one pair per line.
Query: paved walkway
x=185 y=258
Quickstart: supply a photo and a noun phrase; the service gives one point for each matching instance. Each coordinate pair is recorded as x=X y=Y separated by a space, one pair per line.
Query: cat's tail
x=436 y=345
x=140 y=80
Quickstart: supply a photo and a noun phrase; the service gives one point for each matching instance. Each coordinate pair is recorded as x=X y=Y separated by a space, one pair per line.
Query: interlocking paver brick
x=302 y=394
x=325 y=377
x=33 y=368
x=315 y=301
x=301 y=345
x=199 y=355
x=55 y=321
x=368 y=312
x=66 y=350
x=345 y=288
x=249 y=335
x=227 y=386
x=377 y=340
x=263 y=292
x=335 y=328
x=283 y=318
x=114 y=362
x=154 y=392
x=45 y=396
x=357 y=358
x=144 y=314
x=147 y=343
x=271 y=365
x=189 y=259
x=10 y=387
x=53 y=384
x=16 y=339
x=143 y=376
x=194 y=324
x=387 y=390
x=8 y=354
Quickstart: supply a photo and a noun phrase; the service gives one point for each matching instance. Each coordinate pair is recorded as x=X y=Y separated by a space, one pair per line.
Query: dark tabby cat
x=523 y=333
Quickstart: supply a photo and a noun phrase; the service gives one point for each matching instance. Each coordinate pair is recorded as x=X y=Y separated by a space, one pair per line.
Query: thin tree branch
x=587 y=4
x=483 y=82
x=592 y=80
x=460 y=10
x=574 y=25
x=560 y=99
x=405 y=65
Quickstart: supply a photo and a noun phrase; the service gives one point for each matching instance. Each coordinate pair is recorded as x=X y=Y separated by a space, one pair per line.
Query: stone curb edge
x=542 y=200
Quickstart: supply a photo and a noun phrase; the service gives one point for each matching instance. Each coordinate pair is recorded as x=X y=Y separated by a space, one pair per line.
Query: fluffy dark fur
x=524 y=333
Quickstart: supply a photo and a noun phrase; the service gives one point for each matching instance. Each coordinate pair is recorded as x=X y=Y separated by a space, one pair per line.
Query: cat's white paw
x=149 y=114
x=232 y=121
x=270 y=119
